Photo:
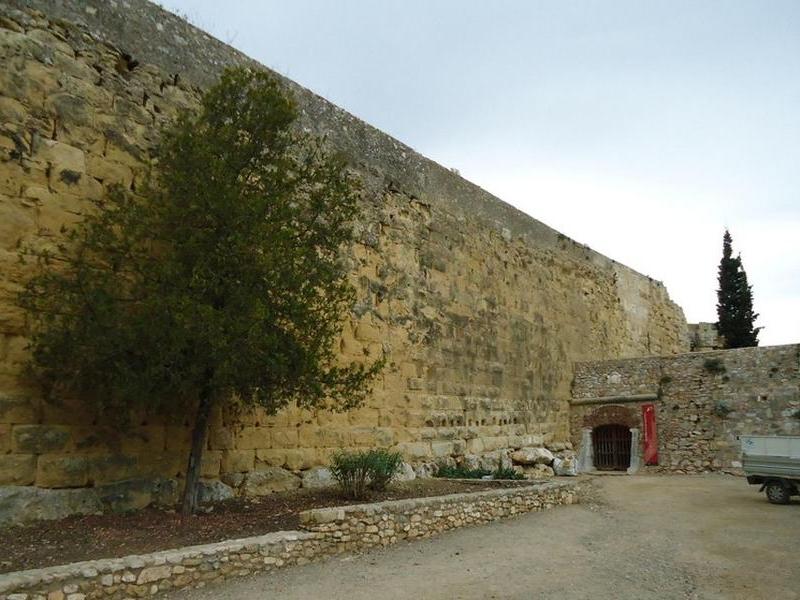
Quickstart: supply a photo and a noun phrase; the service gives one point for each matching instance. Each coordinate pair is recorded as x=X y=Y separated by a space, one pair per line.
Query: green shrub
x=358 y=472
x=714 y=365
x=384 y=466
x=464 y=473
x=351 y=471
x=460 y=472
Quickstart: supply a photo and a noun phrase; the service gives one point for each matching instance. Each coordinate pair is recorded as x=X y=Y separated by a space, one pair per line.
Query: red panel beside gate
x=650 y=434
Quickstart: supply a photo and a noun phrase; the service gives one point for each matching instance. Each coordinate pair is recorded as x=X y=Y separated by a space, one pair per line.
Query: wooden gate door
x=612 y=447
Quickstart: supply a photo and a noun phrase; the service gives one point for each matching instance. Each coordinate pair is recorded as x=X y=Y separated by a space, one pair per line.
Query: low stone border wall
x=329 y=531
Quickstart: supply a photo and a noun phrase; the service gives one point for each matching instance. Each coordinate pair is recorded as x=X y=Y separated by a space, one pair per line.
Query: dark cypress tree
x=735 y=316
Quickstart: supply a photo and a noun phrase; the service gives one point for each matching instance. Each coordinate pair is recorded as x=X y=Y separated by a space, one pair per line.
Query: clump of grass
x=357 y=473
x=465 y=473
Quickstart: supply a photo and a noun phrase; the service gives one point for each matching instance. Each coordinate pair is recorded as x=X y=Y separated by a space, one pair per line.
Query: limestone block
x=221 y=438
x=286 y=438
x=69 y=109
x=532 y=456
x=565 y=467
x=211 y=491
x=365 y=332
x=38 y=439
x=151 y=574
x=73 y=190
x=148 y=438
x=492 y=460
x=61 y=157
x=372 y=436
x=5 y=438
x=17 y=469
x=211 y=463
x=475 y=446
x=269 y=480
x=166 y=464
x=406 y=472
x=271 y=457
x=21 y=504
x=60 y=471
x=109 y=468
x=300 y=458
x=135 y=494
x=311 y=436
x=414 y=450
x=250 y=438
x=238 y=461
x=364 y=416
x=327 y=417
x=12 y=111
x=442 y=449
x=17 y=222
x=17 y=409
x=108 y=172
x=318 y=477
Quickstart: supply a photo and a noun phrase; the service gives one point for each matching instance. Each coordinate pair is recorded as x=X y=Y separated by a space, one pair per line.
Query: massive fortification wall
x=481 y=308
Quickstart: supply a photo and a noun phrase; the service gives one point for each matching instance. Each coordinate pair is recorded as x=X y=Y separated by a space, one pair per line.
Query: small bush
x=351 y=472
x=358 y=472
x=384 y=466
x=714 y=365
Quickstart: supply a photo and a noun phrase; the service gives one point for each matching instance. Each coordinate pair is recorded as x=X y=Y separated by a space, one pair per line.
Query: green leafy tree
x=735 y=316
x=220 y=283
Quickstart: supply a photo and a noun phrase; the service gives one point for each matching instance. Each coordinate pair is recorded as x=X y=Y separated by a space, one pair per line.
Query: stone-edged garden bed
x=325 y=532
x=111 y=535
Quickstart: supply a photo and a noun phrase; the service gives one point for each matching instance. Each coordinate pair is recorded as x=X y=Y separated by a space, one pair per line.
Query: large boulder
x=565 y=467
x=532 y=456
x=539 y=471
x=492 y=460
x=318 y=477
x=269 y=480
x=470 y=461
x=405 y=473
x=25 y=504
x=211 y=491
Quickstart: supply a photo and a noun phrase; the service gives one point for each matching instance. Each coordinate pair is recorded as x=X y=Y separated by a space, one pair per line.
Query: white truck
x=773 y=461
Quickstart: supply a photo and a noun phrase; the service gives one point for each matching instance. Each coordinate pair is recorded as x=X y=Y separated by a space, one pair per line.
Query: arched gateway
x=610 y=440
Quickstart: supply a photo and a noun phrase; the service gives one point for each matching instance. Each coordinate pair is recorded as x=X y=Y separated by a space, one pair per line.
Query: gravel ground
x=663 y=537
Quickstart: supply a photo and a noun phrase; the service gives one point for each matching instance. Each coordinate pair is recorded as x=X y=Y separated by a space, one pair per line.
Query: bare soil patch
x=49 y=543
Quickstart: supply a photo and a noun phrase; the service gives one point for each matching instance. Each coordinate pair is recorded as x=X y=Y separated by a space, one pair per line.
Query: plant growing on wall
x=221 y=282
x=735 y=316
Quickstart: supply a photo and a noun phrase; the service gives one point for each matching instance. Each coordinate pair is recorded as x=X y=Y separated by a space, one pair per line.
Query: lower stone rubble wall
x=329 y=531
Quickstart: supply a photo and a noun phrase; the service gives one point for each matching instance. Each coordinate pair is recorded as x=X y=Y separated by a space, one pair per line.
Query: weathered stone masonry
x=702 y=400
x=481 y=308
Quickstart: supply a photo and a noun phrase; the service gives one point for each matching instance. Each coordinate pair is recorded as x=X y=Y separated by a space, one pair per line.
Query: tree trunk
x=189 y=503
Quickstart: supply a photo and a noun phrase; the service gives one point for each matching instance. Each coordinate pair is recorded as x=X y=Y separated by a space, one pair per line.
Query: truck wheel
x=777 y=493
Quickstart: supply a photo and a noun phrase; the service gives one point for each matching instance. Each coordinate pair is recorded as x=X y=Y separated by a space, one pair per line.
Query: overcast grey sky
x=640 y=128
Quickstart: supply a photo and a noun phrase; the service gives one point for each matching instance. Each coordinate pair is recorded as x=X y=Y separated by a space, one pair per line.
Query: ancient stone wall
x=480 y=308
x=703 y=400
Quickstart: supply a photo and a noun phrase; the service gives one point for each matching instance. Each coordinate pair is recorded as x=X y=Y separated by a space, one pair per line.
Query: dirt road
x=662 y=537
